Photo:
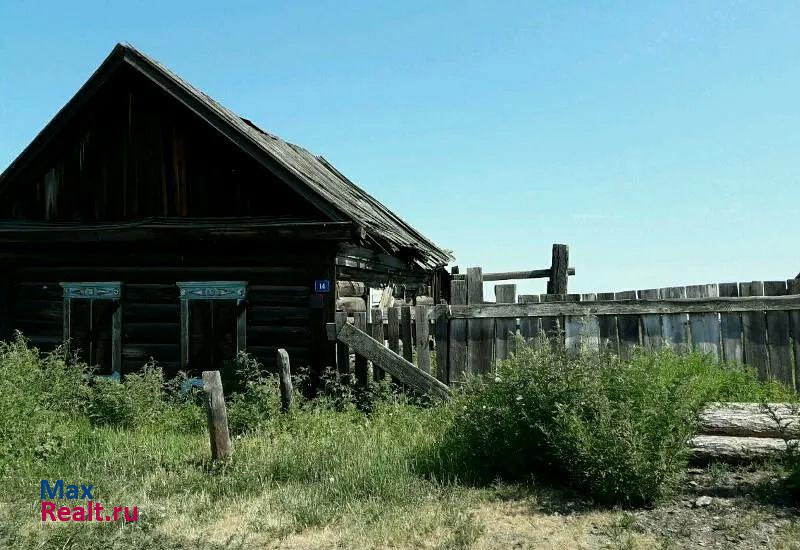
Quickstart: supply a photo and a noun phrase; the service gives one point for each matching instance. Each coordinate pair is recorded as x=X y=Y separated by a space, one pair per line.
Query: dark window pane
x=212 y=334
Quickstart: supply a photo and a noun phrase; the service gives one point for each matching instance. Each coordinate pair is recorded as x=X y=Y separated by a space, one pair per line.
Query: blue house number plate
x=322 y=285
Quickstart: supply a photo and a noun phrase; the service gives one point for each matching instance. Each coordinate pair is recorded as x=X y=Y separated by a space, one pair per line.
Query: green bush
x=614 y=430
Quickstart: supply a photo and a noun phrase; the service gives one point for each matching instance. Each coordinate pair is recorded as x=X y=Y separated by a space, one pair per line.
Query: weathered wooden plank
x=505 y=329
x=480 y=332
x=557 y=284
x=652 y=338
x=376 y=321
x=582 y=332
x=627 y=327
x=726 y=447
x=392 y=363
x=440 y=333
x=458 y=335
x=342 y=351
x=361 y=370
x=793 y=288
x=704 y=327
x=217 y=415
x=627 y=307
x=530 y=327
x=779 y=346
x=754 y=329
x=607 y=326
x=421 y=339
x=406 y=333
x=552 y=325
x=675 y=325
x=731 y=327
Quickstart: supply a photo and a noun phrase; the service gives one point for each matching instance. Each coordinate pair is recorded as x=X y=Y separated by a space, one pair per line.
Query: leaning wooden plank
x=793 y=287
x=458 y=335
x=392 y=363
x=729 y=448
x=731 y=327
x=778 y=338
x=480 y=343
x=652 y=338
x=505 y=329
x=675 y=325
x=421 y=339
x=627 y=327
x=627 y=307
x=754 y=328
x=750 y=420
x=704 y=327
x=607 y=324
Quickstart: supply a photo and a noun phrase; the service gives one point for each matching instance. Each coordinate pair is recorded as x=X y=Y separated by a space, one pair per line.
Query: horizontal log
x=351 y=305
x=750 y=420
x=627 y=307
x=365 y=346
x=705 y=448
x=350 y=288
x=512 y=275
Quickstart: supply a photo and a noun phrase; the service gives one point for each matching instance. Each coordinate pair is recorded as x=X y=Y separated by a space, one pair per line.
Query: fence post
x=377 y=333
x=360 y=322
x=285 y=380
x=406 y=334
x=480 y=331
x=217 y=415
x=558 y=270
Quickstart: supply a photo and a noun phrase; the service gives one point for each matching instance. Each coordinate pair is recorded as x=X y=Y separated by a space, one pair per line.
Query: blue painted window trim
x=92 y=291
x=212 y=290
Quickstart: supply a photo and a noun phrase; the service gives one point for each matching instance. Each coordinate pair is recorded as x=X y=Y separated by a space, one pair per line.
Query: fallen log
x=772 y=420
x=705 y=448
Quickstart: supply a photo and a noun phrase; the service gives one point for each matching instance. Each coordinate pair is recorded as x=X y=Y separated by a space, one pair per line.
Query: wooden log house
x=147 y=220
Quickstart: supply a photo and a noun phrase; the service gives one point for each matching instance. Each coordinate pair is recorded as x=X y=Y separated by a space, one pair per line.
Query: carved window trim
x=97 y=291
x=211 y=290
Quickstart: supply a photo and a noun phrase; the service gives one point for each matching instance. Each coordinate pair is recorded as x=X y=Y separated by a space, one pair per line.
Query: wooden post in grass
x=285 y=380
x=217 y=415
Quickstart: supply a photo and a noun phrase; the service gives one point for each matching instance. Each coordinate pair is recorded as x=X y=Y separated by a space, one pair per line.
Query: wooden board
x=652 y=338
x=376 y=321
x=342 y=351
x=627 y=327
x=731 y=327
x=480 y=343
x=779 y=346
x=793 y=288
x=675 y=326
x=406 y=334
x=704 y=327
x=421 y=339
x=505 y=329
x=607 y=326
x=361 y=370
x=458 y=334
x=754 y=329
x=530 y=327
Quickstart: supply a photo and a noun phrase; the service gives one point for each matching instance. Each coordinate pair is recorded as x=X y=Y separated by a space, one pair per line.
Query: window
x=213 y=323
x=93 y=324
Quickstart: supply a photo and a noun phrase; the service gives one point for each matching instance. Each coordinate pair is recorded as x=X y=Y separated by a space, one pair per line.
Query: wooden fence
x=755 y=323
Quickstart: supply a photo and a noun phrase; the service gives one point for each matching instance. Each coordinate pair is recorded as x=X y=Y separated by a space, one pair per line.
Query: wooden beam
x=399 y=368
x=558 y=270
x=513 y=275
x=627 y=307
x=285 y=380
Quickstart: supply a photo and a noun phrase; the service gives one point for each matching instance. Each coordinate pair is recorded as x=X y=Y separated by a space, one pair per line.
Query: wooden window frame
x=102 y=291
x=212 y=290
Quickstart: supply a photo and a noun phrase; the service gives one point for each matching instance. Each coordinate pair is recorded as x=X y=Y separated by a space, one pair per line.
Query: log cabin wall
x=281 y=309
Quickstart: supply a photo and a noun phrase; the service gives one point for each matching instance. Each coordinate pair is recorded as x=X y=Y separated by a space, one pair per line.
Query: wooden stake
x=217 y=415
x=285 y=380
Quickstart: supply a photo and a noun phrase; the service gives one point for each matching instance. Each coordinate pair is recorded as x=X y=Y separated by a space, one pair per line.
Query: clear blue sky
x=661 y=141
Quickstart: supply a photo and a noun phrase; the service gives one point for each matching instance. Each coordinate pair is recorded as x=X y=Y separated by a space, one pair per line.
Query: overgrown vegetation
x=614 y=430
x=386 y=471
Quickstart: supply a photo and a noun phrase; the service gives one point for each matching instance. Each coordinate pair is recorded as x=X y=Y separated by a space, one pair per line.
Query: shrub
x=615 y=430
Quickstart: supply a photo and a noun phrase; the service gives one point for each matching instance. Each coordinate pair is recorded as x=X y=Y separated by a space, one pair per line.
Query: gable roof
x=311 y=176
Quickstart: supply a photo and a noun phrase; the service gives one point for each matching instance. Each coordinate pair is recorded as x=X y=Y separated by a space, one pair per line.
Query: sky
x=659 y=140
